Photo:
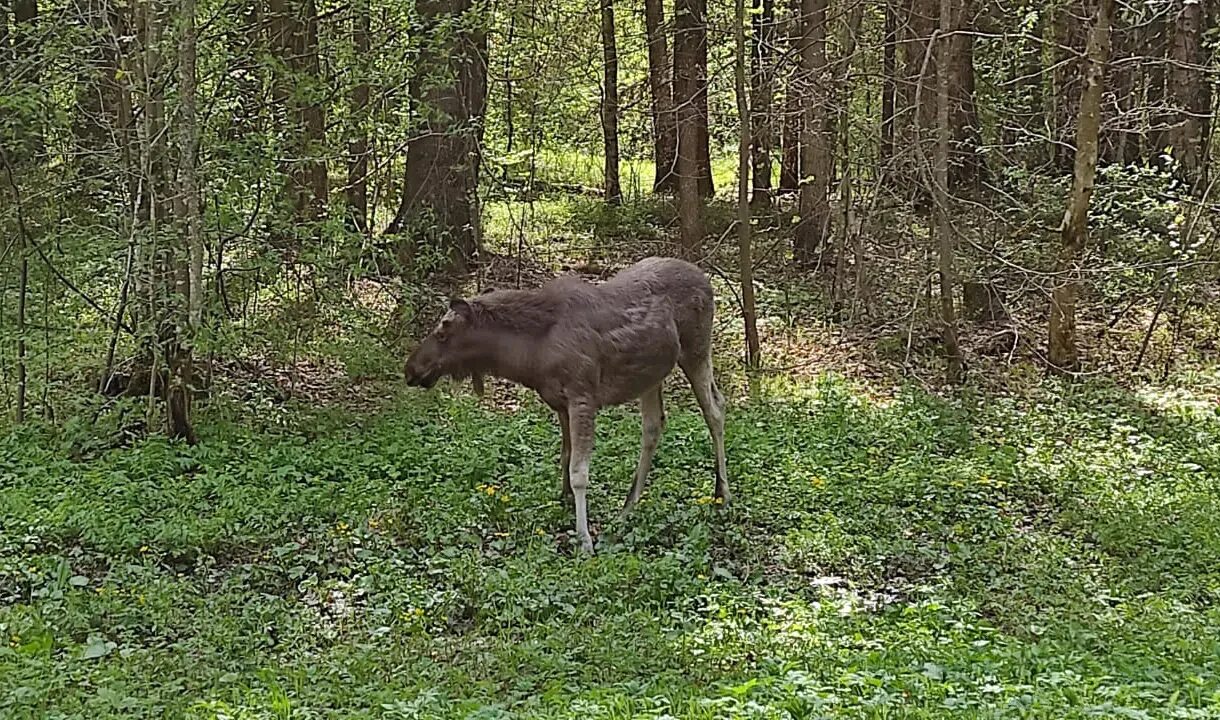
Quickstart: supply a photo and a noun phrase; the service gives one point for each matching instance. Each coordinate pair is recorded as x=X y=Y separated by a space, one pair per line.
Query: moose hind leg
x=711 y=402
x=652 y=421
x=565 y=458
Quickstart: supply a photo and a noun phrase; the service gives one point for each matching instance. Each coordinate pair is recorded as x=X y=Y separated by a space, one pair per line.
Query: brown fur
x=582 y=347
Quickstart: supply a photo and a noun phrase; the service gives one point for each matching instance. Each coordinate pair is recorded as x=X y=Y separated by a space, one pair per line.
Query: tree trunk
x=762 y=92
x=814 y=222
x=95 y=121
x=790 y=157
x=439 y=201
x=27 y=51
x=190 y=278
x=313 y=119
x=23 y=284
x=6 y=47
x=294 y=37
x=1068 y=30
x=966 y=167
x=944 y=230
x=919 y=84
x=687 y=19
x=664 y=127
x=698 y=36
x=745 y=251
x=848 y=43
x=1189 y=91
x=609 y=109
x=358 y=142
x=889 y=84
x=1062 y=353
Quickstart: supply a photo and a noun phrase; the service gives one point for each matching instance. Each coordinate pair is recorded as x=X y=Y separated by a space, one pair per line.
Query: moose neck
x=504 y=352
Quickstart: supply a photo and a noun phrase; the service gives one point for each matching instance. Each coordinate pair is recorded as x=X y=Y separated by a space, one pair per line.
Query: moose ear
x=460 y=306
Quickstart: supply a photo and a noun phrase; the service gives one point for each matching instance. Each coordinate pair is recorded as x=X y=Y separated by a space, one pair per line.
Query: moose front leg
x=581 y=429
x=565 y=458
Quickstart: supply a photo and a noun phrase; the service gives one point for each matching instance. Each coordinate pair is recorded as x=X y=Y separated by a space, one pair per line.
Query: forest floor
x=339 y=546
x=1049 y=554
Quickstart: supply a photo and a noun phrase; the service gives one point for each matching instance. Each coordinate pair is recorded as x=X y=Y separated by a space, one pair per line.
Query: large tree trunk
x=1062 y=353
x=814 y=222
x=358 y=141
x=941 y=160
x=687 y=21
x=664 y=122
x=95 y=122
x=918 y=92
x=966 y=167
x=439 y=204
x=313 y=120
x=745 y=257
x=889 y=84
x=294 y=37
x=609 y=109
x=1190 y=91
x=762 y=92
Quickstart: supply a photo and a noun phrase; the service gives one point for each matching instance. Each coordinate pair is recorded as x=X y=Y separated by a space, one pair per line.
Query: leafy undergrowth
x=1054 y=556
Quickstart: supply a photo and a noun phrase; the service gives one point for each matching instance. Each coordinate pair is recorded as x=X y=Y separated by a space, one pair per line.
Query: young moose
x=583 y=347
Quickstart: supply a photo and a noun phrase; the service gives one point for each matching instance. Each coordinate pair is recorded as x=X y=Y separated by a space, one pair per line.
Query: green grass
x=1054 y=556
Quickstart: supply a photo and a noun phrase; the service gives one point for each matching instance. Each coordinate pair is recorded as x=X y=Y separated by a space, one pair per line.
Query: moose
x=584 y=346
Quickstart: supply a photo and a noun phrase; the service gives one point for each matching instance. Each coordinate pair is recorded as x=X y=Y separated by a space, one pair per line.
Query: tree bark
x=706 y=187
x=687 y=19
x=745 y=251
x=609 y=109
x=966 y=167
x=1063 y=354
x=944 y=230
x=664 y=124
x=358 y=142
x=95 y=121
x=23 y=282
x=889 y=84
x=294 y=37
x=919 y=82
x=1189 y=92
x=790 y=157
x=845 y=81
x=439 y=201
x=814 y=222
x=762 y=92
x=190 y=278
x=690 y=29
x=1069 y=29
x=313 y=118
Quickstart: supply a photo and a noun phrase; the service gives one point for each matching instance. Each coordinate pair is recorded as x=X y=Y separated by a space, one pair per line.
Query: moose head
x=450 y=349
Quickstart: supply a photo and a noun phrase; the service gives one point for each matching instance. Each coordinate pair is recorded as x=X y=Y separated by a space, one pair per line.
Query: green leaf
x=96 y=648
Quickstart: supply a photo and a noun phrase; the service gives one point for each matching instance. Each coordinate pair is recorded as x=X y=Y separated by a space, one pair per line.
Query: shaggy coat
x=582 y=347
